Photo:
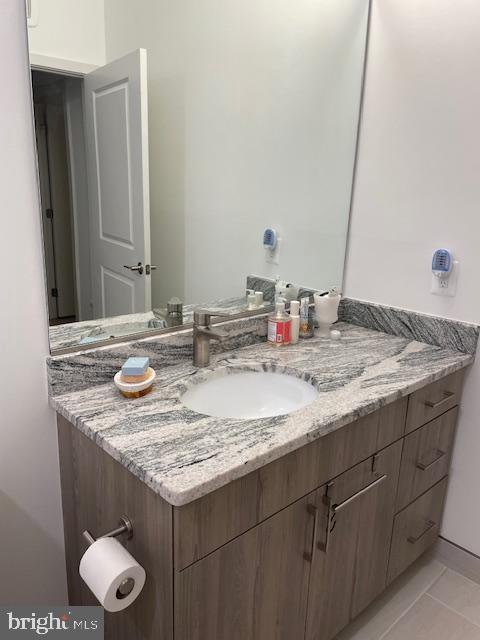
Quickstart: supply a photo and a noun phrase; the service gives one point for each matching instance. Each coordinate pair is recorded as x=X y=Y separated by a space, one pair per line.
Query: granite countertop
x=87 y=332
x=183 y=455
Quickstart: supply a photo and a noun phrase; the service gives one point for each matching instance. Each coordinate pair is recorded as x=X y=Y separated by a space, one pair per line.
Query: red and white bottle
x=279 y=324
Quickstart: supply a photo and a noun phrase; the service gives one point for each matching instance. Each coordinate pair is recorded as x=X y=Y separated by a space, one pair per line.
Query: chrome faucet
x=203 y=333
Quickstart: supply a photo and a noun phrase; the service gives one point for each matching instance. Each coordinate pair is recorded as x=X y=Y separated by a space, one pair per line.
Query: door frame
x=60 y=65
x=74 y=119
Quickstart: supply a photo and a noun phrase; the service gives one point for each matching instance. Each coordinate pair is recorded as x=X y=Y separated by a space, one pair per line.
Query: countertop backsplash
x=84 y=369
x=441 y=332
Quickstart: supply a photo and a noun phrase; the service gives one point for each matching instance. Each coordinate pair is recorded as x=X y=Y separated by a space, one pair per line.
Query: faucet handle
x=202 y=317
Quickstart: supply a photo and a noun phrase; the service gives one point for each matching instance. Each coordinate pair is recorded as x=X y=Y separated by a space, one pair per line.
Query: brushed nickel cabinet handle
x=331 y=522
x=313 y=511
x=333 y=509
x=338 y=507
x=439 y=456
x=436 y=405
x=430 y=525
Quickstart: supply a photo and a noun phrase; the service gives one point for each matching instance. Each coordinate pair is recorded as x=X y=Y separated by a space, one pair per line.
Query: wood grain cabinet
x=426 y=457
x=254 y=587
x=352 y=540
x=416 y=528
x=431 y=401
x=292 y=551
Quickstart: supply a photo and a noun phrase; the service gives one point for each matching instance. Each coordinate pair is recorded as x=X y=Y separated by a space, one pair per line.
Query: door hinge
x=54 y=292
x=49 y=213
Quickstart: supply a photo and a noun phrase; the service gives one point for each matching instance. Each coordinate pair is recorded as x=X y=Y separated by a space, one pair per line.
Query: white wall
x=271 y=104
x=418 y=188
x=32 y=565
x=252 y=122
x=70 y=29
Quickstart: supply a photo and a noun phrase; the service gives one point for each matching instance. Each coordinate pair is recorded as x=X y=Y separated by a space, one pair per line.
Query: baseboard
x=457 y=559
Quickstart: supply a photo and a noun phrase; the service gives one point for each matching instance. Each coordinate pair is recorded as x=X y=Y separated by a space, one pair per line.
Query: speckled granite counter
x=88 y=332
x=183 y=455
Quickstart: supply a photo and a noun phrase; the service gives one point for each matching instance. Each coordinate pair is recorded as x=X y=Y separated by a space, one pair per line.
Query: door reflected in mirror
x=170 y=136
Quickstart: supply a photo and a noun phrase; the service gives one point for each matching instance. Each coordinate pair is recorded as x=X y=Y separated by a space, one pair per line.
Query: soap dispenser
x=279 y=323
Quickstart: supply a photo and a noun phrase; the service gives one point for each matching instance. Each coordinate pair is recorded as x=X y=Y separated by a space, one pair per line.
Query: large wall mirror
x=171 y=134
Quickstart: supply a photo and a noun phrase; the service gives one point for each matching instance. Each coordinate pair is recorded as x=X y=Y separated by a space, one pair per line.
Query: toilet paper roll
x=105 y=565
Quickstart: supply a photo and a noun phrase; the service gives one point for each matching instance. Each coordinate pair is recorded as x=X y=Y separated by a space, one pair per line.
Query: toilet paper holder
x=124 y=526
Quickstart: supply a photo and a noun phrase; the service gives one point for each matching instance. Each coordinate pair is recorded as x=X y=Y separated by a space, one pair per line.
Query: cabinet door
x=254 y=587
x=352 y=539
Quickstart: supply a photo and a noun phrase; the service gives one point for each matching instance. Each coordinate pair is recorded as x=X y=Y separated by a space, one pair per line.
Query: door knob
x=149 y=268
x=138 y=268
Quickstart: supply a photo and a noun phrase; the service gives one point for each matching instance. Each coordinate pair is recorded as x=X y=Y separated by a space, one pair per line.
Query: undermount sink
x=249 y=394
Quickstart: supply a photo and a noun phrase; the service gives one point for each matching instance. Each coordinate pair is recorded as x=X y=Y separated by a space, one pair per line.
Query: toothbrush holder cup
x=326 y=312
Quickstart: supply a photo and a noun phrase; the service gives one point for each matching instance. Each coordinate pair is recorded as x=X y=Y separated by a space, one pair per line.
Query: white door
x=116 y=129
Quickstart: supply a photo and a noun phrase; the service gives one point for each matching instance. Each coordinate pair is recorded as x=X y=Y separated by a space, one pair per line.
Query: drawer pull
x=430 y=525
x=338 y=507
x=435 y=405
x=439 y=456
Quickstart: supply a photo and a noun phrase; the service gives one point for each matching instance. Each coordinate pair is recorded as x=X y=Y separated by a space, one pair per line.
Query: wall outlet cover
x=272 y=256
x=446 y=286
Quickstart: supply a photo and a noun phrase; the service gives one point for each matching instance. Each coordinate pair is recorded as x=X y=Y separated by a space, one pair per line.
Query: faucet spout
x=212 y=334
x=202 y=334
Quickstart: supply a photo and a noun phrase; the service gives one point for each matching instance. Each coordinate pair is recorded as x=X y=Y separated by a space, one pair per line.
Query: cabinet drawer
x=416 y=528
x=433 y=400
x=426 y=457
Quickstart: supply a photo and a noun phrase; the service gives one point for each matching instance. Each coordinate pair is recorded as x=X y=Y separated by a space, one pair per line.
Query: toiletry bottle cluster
x=279 y=325
x=284 y=328
x=254 y=299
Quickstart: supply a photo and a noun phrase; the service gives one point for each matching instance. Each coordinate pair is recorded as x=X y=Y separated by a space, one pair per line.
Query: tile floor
x=429 y=602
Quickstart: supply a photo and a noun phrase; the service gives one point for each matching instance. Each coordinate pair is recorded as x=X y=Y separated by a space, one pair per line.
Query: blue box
x=135 y=366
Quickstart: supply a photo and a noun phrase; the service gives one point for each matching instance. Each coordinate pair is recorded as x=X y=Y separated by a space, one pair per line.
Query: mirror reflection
x=185 y=146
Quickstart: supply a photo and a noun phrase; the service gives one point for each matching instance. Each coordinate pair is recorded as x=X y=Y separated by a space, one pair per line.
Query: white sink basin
x=249 y=394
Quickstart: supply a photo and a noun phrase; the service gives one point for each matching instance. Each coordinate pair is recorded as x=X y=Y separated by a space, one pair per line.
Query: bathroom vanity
x=275 y=528
x=282 y=527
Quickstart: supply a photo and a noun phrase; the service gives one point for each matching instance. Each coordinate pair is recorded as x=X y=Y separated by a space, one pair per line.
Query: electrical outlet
x=446 y=286
x=272 y=256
